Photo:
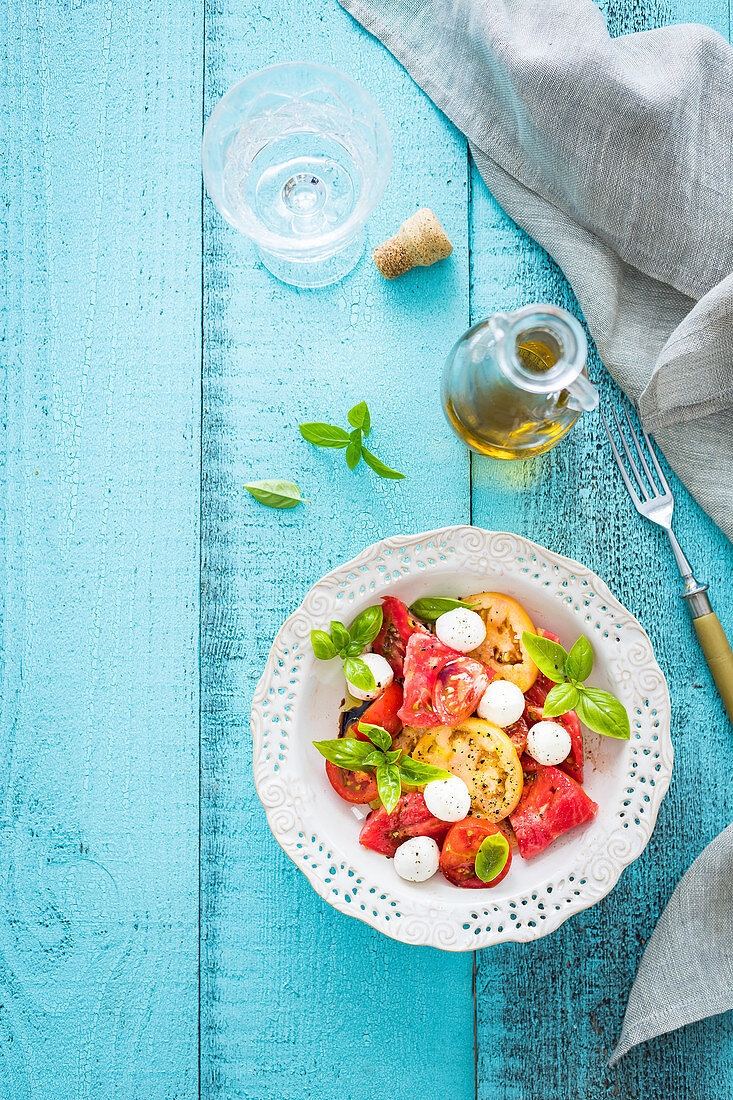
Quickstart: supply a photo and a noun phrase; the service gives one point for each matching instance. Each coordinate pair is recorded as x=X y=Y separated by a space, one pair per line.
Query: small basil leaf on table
x=324 y=435
x=341 y=637
x=378 y=466
x=359 y=674
x=389 y=785
x=416 y=773
x=376 y=734
x=345 y=752
x=374 y=759
x=491 y=857
x=603 y=713
x=322 y=644
x=354 y=649
x=560 y=700
x=547 y=655
x=353 y=451
x=367 y=625
x=579 y=663
x=275 y=494
x=430 y=608
x=359 y=417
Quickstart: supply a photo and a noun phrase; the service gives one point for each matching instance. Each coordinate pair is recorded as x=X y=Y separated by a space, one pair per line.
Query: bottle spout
x=583 y=394
x=498 y=326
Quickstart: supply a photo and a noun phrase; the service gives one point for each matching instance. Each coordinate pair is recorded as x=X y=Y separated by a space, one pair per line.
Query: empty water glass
x=296 y=157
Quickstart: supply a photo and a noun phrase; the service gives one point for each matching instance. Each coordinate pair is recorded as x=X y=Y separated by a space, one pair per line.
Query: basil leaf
x=374 y=759
x=416 y=773
x=603 y=713
x=492 y=856
x=340 y=636
x=367 y=625
x=324 y=435
x=353 y=451
x=376 y=734
x=354 y=649
x=359 y=674
x=430 y=608
x=275 y=494
x=378 y=466
x=560 y=700
x=547 y=655
x=359 y=417
x=322 y=644
x=395 y=754
x=389 y=785
x=345 y=752
x=579 y=663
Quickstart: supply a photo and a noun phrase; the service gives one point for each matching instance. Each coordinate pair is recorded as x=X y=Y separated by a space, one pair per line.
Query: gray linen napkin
x=616 y=155
x=686 y=973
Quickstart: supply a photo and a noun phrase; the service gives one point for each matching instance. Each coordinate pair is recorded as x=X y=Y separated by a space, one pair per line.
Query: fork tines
x=648 y=486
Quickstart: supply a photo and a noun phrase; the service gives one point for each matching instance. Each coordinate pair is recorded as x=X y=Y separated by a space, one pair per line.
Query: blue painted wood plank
x=573 y=985
x=98 y=735
x=299 y=1001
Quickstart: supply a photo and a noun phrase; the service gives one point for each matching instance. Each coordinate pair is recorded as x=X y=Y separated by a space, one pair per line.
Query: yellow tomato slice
x=503 y=650
x=483 y=757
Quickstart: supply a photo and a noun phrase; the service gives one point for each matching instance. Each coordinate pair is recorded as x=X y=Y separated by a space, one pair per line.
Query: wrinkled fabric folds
x=686 y=973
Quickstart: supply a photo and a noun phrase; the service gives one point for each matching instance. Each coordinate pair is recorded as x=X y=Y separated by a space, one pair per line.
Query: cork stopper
x=419 y=242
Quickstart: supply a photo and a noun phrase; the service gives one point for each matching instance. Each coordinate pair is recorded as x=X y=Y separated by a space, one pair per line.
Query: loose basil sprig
x=349 y=644
x=391 y=768
x=599 y=710
x=430 y=608
x=329 y=435
x=491 y=857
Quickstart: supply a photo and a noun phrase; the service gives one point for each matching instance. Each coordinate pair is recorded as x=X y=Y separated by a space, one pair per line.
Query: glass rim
x=561 y=324
x=320 y=245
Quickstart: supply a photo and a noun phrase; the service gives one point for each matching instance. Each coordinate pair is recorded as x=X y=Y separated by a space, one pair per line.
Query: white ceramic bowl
x=298 y=700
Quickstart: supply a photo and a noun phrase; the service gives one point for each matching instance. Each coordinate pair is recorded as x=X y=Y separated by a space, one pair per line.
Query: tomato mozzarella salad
x=453 y=730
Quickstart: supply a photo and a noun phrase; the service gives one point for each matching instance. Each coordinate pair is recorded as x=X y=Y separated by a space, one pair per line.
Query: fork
x=657 y=504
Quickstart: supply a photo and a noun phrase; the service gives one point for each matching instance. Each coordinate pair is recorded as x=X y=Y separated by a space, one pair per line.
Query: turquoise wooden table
x=155 y=942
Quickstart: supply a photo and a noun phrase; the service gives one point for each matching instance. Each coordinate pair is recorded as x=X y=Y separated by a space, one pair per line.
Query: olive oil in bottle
x=515 y=383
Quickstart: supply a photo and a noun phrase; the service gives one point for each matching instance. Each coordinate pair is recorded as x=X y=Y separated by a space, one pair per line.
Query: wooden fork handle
x=718 y=655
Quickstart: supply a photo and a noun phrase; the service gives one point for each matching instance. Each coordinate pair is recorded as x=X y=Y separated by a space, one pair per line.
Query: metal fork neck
x=695 y=594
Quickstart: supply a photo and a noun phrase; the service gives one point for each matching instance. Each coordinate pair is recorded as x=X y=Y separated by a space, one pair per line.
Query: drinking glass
x=297 y=156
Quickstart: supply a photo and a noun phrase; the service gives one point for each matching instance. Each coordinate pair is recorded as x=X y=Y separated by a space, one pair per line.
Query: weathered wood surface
x=108 y=269
x=299 y=1001
x=99 y=733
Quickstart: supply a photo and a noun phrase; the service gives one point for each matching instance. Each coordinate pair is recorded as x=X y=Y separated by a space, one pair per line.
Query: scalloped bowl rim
x=300 y=805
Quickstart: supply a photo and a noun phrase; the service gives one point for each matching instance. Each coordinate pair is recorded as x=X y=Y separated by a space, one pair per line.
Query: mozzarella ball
x=447 y=799
x=382 y=673
x=417 y=859
x=548 y=743
x=461 y=629
x=502 y=704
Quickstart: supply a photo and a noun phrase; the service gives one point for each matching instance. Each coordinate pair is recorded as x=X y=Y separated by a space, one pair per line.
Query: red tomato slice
x=424 y=658
x=458 y=857
x=517 y=734
x=356 y=787
x=383 y=711
x=384 y=832
x=457 y=689
x=551 y=804
x=398 y=626
x=572 y=765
